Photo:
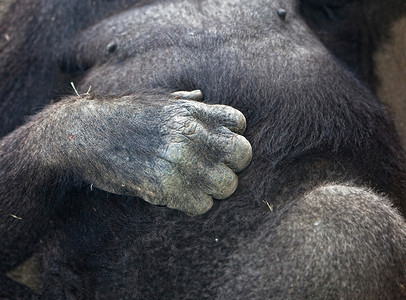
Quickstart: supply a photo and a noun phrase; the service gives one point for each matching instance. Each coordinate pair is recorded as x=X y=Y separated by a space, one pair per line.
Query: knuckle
x=189 y=128
x=192 y=204
x=226 y=183
x=192 y=95
x=244 y=147
x=232 y=118
x=241 y=122
x=241 y=155
x=183 y=107
x=174 y=152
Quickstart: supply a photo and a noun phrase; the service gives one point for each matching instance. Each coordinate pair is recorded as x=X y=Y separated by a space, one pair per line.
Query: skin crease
x=317 y=211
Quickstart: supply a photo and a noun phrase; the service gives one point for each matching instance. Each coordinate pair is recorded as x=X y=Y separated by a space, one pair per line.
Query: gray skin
x=183 y=131
x=185 y=127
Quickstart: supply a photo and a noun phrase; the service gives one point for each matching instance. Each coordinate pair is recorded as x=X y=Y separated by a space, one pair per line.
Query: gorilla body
x=309 y=218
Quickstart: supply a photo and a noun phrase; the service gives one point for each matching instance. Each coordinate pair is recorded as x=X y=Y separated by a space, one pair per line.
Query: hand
x=178 y=152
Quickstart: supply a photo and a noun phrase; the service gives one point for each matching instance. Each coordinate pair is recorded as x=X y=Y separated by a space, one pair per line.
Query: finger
x=196 y=95
x=195 y=197
x=240 y=155
x=192 y=204
x=178 y=192
x=202 y=173
x=221 y=182
x=224 y=115
x=232 y=149
x=236 y=150
x=199 y=170
x=227 y=116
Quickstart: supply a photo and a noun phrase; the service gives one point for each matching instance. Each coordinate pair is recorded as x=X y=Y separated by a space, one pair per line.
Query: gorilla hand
x=174 y=152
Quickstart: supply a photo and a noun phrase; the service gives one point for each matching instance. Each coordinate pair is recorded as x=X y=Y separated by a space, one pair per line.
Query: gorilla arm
x=164 y=149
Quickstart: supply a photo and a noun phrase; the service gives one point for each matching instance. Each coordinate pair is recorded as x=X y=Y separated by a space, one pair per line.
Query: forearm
x=178 y=153
x=28 y=191
x=60 y=148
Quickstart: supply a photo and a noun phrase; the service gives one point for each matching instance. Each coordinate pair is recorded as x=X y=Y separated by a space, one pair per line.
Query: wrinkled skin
x=194 y=151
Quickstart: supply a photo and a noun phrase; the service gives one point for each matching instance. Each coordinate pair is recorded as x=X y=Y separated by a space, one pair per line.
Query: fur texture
x=308 y=219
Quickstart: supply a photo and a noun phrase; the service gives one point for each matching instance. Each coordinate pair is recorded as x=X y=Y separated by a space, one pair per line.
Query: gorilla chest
x=175 y=46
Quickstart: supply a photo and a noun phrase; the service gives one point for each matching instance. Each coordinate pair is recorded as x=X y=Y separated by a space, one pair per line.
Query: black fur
x=353 y=30
x=309 y=219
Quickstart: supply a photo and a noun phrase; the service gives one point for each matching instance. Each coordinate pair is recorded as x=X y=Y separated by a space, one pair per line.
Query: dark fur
x=310 y=122
x=353 y=29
